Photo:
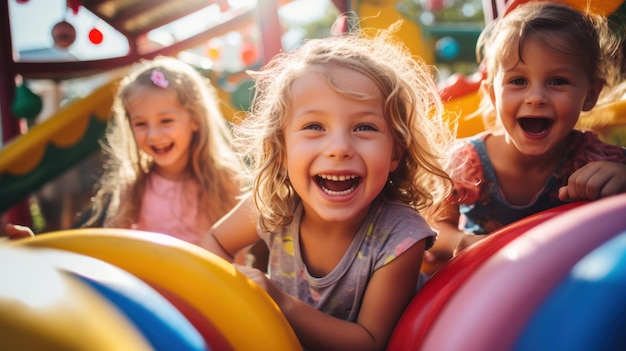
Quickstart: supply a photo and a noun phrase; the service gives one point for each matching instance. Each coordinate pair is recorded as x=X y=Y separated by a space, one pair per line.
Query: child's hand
x=281 y=298
x=436 y=256
x=595 y=180
x=434 y=261
x=255 y=275
x=18 y=231
x=467 y=240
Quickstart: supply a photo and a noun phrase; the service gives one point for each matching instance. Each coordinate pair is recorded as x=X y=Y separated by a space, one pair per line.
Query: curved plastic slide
x=53 y=146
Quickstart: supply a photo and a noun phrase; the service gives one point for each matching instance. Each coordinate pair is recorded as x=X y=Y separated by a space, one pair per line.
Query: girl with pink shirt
x=170 y=167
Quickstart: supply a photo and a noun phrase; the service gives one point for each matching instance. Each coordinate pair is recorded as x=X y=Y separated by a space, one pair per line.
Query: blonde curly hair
x=412 y=108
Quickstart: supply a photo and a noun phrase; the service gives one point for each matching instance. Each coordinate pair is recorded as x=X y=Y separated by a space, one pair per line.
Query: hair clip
x=158 y=78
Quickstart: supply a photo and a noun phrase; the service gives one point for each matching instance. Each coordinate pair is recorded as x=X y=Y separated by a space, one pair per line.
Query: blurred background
x=61 y=60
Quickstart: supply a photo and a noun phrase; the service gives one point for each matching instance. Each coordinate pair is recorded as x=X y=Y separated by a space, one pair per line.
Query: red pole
x=342 y=5
x=20 y=213
x=270 y=28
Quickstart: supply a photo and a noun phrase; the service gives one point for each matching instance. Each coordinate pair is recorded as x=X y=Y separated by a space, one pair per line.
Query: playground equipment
x=54 y=145
x=201 y=285
x=30 y=160
x=517 y=284
x=112 y=281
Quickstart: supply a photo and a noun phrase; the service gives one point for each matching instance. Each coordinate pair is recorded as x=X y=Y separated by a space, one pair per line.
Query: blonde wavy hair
x=213 y=164
x=412 y=108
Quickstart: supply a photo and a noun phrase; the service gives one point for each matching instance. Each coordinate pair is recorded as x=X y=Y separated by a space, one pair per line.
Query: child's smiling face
x=340 y=149
x=539 y=99
x=163 y=129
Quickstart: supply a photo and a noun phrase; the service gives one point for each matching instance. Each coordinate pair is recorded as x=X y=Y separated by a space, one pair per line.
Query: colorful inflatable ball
x=424 y=309
x=158 y=320
x=588 y=307
x=42 y=308
x=504 y=293
x=241 y=310
x=211 y=335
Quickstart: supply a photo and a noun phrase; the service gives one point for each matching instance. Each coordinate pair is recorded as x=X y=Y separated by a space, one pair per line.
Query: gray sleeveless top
x=389 y=229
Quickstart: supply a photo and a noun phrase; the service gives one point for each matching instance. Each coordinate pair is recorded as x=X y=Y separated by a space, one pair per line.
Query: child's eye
x=313 y=126
x=138 y=124
x=167 y=120
x=518 y=81
x=558 y=81
x=365 y=127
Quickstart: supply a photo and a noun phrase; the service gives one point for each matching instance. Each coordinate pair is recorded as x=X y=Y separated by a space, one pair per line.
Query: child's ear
x=592 y=94
x=395 y=158
x=486 y=89
x=194 y=126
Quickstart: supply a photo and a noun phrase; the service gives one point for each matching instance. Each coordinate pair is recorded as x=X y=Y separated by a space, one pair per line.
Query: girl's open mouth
x=162 y=150
x=338 y=185
x=535 y=126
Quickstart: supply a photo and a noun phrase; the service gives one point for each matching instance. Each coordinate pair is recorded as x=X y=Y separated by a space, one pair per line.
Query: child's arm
x=233 y=232
x=595 y=180
x=389 y=291
x=450 y=239
x=443 y=250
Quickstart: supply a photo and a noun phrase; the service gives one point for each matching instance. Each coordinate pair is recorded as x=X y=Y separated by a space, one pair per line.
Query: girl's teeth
x=337 y=193
x=340 y=178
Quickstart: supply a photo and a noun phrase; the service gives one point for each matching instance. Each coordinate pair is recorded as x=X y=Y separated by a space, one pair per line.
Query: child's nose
x=154 y=132
x=536 y=96
x=339 y=146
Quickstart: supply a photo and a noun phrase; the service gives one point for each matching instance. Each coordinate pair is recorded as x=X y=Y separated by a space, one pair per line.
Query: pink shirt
x=172 y=207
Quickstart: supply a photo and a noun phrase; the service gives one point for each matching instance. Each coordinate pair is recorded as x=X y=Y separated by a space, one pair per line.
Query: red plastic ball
x=95 y=36
x=248 y=54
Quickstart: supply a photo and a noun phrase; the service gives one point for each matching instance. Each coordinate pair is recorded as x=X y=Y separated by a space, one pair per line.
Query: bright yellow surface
x=382 y=13
x=44 y=309
x=243 y=312
x=462 y=106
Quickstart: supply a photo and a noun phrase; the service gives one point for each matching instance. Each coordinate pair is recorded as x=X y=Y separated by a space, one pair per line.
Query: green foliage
x=457 y=11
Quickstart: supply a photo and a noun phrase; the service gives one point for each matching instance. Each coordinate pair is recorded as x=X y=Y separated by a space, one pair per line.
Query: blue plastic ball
x=447 y=48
